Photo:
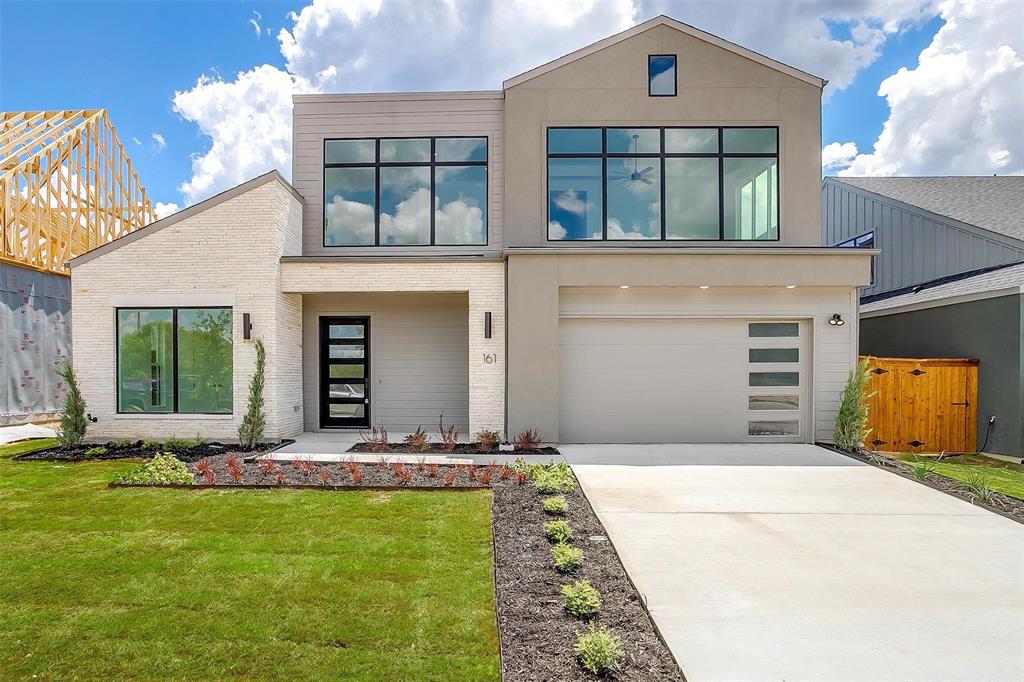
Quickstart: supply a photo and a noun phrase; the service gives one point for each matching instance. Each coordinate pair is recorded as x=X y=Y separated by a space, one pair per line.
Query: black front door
x=344 y=371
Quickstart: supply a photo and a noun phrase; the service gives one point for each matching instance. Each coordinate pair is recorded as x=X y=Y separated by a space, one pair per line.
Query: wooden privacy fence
x=922 y=405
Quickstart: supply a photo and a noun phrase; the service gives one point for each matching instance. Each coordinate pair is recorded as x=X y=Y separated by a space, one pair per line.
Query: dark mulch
x=537 y=635
x=460 y=449
x=374 y=475
x=136 y=450
x=1008 y=506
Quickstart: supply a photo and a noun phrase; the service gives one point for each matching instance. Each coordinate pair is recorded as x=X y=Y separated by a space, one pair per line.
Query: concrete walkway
x=790 y=562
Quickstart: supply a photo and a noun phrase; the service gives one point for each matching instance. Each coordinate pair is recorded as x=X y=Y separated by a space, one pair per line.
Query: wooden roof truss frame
x=66 y=186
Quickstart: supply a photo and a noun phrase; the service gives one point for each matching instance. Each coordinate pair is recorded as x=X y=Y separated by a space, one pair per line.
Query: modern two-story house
x=622 y=245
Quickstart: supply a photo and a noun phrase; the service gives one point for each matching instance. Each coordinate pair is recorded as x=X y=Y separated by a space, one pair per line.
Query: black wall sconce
x=487 y=325
x=246 y=327
x=837 y=320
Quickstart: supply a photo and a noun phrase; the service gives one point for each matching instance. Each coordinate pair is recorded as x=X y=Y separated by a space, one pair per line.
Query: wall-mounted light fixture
x=487 y=325
x=837 y=320
x=246 y=327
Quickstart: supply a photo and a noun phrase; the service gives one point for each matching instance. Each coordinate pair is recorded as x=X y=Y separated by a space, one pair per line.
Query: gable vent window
x=661 y=75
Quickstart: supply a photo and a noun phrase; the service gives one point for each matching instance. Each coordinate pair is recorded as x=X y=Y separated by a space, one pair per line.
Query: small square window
x=661 y=75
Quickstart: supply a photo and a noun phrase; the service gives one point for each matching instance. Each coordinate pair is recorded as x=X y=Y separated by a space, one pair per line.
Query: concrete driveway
x=790 y=562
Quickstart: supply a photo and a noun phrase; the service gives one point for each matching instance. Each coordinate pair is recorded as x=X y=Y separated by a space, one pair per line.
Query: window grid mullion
x=604 y=184
x=433 y=190
x=376 y=190
x=721 y=185
x=174 y=359
x=661 y=208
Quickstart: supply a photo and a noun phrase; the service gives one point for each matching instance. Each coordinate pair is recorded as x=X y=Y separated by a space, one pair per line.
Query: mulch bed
x=1005 y=505
x=537 y=634
x=460 y=449
x=136 y=450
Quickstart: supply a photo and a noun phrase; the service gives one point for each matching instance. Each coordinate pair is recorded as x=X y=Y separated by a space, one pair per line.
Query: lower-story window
x=174 y=360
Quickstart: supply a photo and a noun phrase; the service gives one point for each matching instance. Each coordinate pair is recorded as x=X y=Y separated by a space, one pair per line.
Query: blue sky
x=133 y=57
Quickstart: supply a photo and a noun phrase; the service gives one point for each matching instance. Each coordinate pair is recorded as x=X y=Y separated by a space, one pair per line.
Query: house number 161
x=490 y=358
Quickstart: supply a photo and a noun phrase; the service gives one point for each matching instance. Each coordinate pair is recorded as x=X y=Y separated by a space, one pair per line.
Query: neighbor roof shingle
x=992 y=280
x=994 y=203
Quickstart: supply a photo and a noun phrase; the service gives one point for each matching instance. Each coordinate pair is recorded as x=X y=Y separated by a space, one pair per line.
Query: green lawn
x=100 y=583
x=1006 y=477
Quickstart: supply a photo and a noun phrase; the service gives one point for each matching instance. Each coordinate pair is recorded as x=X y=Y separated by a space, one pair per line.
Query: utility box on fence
x=926 y=405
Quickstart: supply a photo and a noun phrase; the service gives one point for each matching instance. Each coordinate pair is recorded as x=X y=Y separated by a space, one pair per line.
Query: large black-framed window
x=663 y=183
x=174 y=360
x=405 y=191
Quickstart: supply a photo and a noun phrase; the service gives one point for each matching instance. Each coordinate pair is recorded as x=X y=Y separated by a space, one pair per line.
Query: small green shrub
x=545 y=485
x=567 y=558
x=558 y=531
x=173 y=444
x=199 y=441
x=556 y=505
x=581 y=599
x=161 y=470
x=979 y=486
x=922 y=469
x=151 y=444
x=851 y=428
x=598 y=650
x=123 y=443
x=553 y=478
x=97 y=451
x=73 y=423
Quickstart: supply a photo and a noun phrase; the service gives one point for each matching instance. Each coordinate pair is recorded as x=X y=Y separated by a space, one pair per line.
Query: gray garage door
x=683 y=380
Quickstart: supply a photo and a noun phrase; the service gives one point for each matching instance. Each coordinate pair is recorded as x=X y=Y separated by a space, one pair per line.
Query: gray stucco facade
x=988 y=329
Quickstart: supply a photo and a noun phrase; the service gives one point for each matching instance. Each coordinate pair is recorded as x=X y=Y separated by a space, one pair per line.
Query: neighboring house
x=947 y=282
x=621 y=245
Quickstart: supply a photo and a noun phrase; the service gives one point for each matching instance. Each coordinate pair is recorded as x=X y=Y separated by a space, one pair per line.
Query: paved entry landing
x=791 y=562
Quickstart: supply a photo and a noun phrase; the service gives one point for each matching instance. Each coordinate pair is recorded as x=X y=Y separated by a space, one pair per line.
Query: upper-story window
x=405 y=191
x=661 y=75
x=663 y=183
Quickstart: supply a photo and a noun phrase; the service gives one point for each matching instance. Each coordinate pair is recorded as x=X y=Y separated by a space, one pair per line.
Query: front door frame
x=323 y=372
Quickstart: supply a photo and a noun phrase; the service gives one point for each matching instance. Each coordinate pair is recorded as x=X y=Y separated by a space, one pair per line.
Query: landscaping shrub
x=97 y=451
x=558 y=531
x=419 y=441
x=449 y=435
x=528 y=439
x=566 y=557
x=979 y=486
x=922 y=469
x=545 y=485
x=556 y=505
x=377 y=439
x=123 y=443
x=151 y=444
x=173 y=444
x=598 y=650
x=851 y=428
x=73 y=423
x=552 y=478
x=161 y=470
x=581 y=599
x=250 y=431
x=487 y=441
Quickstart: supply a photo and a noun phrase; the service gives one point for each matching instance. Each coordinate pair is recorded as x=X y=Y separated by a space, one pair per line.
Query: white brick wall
x=228 y=252
x=485 y=283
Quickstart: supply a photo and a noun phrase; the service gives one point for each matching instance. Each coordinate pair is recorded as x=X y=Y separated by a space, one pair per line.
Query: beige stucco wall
x=715 y=87
x=543 y=286
x=483 y=281
x=226 y=255
x=419 y=356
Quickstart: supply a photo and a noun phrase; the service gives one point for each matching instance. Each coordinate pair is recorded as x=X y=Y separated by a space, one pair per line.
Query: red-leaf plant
x=522 y=477
x=421 y=464
x=208 y=477
x=235 y=473
x=485 y=476
x=231 y=461
x=419 y=441
x=432 y=470
x=506 y=472
x=307 y=467
x=204 y=466
x=325 y=476
x=528 y=439
x=449 y=435
x=377 y=439
x=382 y=462
x=268 y=466
x=449 y=479
x=404 y=474
x=356 y=474
x=280 y=477
x=472 y=468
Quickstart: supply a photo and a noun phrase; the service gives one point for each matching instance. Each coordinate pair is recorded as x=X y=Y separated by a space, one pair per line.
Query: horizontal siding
x=407 y=116
x=419 y=357
x=915 y=246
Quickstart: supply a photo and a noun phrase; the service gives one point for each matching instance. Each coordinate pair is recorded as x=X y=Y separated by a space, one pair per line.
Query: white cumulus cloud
x=960 y=111
x=837 y=154
x=164 y=209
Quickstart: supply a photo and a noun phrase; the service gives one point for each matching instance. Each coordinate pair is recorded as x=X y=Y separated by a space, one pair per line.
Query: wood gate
x=922 y=405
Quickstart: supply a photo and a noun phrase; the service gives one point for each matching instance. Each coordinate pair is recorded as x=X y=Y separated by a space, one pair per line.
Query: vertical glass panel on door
x=691 y=198
x=751 y=198
x=634 y=140
x=204 y=360
x=634 y=198
x=349 y=206
x=574 y=141
x=145 y=360
x=404 y=205
x=405 y=150
x=346 y=390
x=460 y=213
x=691 y=140
x=460 y=149
x=344 y=351
x=574 y=199
x=350 y=151
x=345 y=331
